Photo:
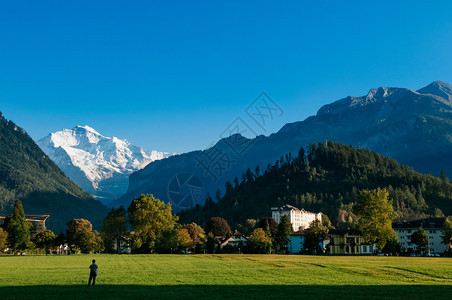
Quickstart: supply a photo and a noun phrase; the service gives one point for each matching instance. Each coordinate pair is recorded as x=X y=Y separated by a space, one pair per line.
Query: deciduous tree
x=420 y=239
x=80 y=235
x=197 y=234
x=260 y=242
x=218 y=226
x=149 y=217
x=314 y=235
x=173 y=240
x=446 y=237
x=45 y=240
x=247 y=227
x=375 y=214
x=3 y=239
x=114 y=227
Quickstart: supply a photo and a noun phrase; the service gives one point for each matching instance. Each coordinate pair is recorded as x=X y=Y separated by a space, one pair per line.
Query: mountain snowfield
x=100 y=165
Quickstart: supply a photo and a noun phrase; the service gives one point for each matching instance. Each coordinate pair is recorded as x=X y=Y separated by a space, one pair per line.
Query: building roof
x=288 y=207
x=298 y=233
x=351 y=231
x=424 y=223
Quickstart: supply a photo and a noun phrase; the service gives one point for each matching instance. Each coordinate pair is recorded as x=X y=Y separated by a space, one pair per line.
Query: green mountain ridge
x=27 y=174
x=326 y=178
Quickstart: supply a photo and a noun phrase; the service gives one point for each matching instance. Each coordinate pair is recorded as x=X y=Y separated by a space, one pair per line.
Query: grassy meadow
x=225 y=277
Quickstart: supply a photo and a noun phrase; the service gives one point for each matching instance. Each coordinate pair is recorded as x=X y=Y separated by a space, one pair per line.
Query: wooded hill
x=326 y=178
x=27 y=174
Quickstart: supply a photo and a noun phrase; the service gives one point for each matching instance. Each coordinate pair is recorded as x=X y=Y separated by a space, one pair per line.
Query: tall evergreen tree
x=283 y=233
x=18 y=228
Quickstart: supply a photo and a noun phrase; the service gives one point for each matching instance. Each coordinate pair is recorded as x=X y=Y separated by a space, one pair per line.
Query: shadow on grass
x=227 y=292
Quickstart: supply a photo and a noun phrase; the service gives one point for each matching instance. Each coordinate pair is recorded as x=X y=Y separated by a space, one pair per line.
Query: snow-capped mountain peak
x=100 y=165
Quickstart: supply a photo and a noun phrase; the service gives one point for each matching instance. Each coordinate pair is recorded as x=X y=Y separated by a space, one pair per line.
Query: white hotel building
x=299 y=218
x=433 y=228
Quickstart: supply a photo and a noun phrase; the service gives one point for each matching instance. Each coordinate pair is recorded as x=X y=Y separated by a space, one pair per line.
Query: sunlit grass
x=204 y=276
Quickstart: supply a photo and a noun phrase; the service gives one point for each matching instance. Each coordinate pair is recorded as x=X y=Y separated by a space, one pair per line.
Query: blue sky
x=172 y=75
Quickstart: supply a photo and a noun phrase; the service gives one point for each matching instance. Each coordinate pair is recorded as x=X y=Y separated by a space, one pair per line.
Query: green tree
x=270 y=227
x=173 y=240
x=393 y=246
x=60 y=239
x=114 y=227
x=35 y=230
x=197 y=235
x=247 y=227
x=149 y=217
x=260 y=242
x=446 y=237
x=3 y=239
x=313 y=235
x=375 y=214
x=420 y=239
x=218 y=226
x=45 y=240
x=80 y=235
x=18 y=228
x=283 y=233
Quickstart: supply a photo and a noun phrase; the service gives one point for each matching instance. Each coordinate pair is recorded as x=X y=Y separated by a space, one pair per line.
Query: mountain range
x=413 y=127
x=28 y=174
x=100 y=165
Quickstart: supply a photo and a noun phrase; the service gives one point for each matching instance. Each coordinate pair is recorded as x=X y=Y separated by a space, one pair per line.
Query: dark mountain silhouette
x=413 y=127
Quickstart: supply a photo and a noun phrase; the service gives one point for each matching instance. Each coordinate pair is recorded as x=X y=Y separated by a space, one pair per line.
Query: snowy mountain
x=413 y=127
x=100 y=165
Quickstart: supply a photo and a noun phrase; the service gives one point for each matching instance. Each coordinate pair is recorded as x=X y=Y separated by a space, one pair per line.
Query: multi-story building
x=299 y=218
x=433 y=228
x=345 y=242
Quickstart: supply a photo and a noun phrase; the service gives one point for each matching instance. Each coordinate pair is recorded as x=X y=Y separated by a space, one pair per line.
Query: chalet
x=433 y=228
x=237 y=240
x=348 y=242
x=299 y=218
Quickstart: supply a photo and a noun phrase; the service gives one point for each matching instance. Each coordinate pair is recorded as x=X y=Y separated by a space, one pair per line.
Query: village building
x=296 y=242
x=121 y=245
x=348 y=242
x=237 y=240
x=299 y=218
x=433 y=228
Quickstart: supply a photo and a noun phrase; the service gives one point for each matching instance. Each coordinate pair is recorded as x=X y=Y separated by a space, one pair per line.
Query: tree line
x=147 y=226
x=327 y=178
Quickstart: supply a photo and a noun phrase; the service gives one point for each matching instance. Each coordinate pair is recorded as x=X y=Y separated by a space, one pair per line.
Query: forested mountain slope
x=29 y=175
x=326 y=178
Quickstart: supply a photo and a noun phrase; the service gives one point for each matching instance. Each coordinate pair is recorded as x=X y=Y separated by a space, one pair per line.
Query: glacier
x=100 y=165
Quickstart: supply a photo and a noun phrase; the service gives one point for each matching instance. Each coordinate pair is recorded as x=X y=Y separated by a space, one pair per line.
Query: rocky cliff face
x=413 y=127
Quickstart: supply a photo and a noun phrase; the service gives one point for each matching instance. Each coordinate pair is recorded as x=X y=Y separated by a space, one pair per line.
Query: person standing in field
x=93 y=272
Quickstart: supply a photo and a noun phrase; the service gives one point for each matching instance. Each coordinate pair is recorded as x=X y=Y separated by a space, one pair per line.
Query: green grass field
x=225 y=276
